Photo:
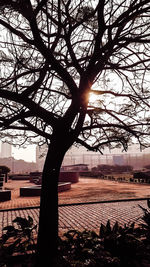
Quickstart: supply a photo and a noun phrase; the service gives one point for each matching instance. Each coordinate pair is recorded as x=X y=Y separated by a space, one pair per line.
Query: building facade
x=6 y=150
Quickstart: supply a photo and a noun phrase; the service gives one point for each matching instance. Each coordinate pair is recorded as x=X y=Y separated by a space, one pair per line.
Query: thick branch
x=34 y=87
x=34 y=129
x=16 y=32
x=42 y=113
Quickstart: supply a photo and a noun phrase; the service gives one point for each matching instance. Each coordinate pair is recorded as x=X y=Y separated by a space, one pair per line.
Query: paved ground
x=87 y=190
x=87 y=216
x=17 y=201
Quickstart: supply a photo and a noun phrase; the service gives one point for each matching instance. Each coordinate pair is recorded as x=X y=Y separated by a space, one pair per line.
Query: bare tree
x=55 y=56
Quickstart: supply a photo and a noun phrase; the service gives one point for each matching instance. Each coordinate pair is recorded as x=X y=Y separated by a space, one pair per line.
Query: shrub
x=113 y=246
x=17 y=238
x=4 y=169
x=85 y=249
x=116 y=246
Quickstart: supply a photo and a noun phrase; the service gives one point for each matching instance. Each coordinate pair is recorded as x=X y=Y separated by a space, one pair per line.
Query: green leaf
x=22 y=222
x=148 y=203
x=115 y=228
x=5 y=237
x=30 y=220
x=103 y=231
x=9 y=228
x=108 y=227
x=12 y=247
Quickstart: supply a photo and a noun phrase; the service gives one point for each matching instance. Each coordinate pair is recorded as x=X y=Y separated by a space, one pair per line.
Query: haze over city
x=32 y=157
x=29 y=153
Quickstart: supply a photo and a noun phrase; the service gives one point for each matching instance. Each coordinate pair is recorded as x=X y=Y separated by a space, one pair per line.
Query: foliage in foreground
x=114 y=246
x=17 y=239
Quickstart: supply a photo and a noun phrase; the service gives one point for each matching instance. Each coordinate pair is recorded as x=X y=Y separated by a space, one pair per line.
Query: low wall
x=19 y=177
x=34 y=191
x=2 y=180
x=36 y=180
x=64 y=186
x=5 y=195
x=30 y=191
x=72 y=177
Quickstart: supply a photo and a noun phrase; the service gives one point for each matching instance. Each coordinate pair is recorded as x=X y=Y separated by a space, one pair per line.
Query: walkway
x=86 y=190
x=83 y=216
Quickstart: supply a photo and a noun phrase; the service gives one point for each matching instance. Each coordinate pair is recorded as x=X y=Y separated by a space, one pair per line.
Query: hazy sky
x=27 y=154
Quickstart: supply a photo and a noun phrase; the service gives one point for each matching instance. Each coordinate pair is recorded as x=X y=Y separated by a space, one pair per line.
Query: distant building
x=80 y=155
x=18 y=166
x=118 y=160
x=6 y=150
x=75 y=167
x=40 y=156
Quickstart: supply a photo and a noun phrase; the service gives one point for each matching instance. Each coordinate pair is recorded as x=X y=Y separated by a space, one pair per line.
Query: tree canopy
x=82 y=64
x=4 y=169
x=73 y=72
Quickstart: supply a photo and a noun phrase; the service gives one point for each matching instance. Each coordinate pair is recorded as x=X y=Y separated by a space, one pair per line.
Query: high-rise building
x=40 y=156
x=6 y=150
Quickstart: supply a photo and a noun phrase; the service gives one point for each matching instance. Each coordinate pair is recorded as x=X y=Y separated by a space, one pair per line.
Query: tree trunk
x=48 y=220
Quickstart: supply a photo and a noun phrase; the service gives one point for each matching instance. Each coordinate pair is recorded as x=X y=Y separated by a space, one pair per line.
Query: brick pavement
x=90 y=216
x=85 y=216
x=17 y=201
x=86 y=190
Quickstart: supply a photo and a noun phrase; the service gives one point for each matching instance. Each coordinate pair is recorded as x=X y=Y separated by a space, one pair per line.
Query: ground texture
x=86 y=190
x=81 y=216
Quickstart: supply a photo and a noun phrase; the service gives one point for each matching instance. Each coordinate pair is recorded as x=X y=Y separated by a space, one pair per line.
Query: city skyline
x=27 y=154
x=77 y=155
x=6 y=150
x=32 y=153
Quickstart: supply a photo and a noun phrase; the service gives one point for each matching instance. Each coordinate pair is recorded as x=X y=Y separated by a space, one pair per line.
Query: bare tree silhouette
x=55 y=55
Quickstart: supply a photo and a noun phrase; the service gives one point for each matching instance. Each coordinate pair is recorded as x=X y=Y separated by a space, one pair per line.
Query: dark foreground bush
x=113 y=246
x=18 y=240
